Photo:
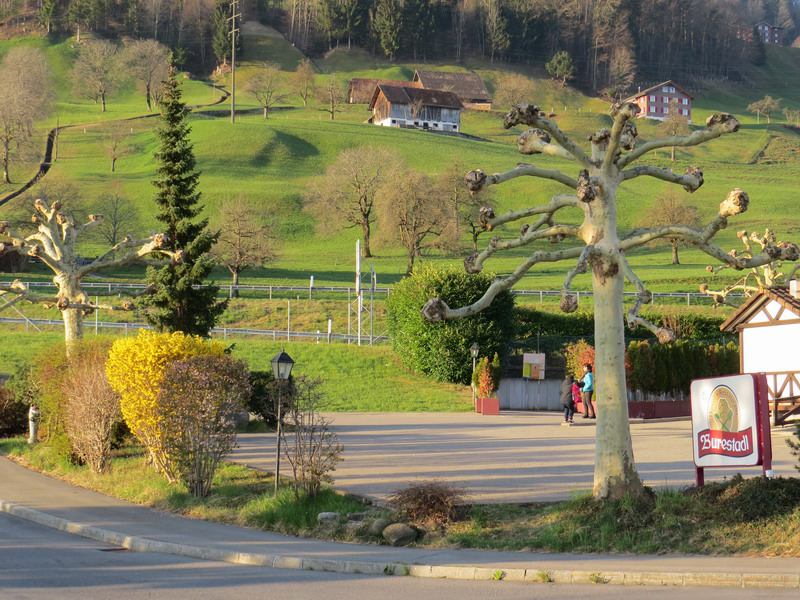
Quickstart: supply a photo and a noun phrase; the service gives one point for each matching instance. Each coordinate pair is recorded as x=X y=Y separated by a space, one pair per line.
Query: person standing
x=587 y=389
x=567 y=400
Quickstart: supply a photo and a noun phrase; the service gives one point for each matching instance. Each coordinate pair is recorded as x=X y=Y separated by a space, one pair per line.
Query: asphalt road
x=42 y=563
x=514 y=457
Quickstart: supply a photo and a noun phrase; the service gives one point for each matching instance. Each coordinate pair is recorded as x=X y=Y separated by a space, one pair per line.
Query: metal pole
x=233 y=60
x=96 y=302
x=288 y=318
x=472 y=382
x=278 y=439
x=310 y=287
x=330 y=327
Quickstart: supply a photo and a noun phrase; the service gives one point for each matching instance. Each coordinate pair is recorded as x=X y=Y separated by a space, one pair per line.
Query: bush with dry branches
x=91 y=409
x=311 y=448
x=428 y=501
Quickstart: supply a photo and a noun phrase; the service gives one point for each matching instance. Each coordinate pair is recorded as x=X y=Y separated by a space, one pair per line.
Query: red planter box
x=659 y=410
x=490 y=406
x=478 y=405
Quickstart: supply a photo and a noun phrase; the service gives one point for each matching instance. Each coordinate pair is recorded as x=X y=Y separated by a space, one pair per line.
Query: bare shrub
x=13 y=414
x=197 y=405
x=91 y=409
x=428 y=501
x=311 y=448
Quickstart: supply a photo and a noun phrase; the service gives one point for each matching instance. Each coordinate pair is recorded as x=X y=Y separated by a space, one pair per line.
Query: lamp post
x=474 y=350
x=281 y=368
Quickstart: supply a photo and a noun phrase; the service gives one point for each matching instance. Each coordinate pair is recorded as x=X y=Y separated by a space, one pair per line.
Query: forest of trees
x=610 y=41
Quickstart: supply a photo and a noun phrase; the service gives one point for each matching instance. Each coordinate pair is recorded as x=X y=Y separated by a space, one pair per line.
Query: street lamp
x=281 y=368
x=474 y=350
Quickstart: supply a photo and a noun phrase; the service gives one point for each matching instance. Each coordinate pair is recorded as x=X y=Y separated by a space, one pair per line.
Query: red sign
x=725 y=443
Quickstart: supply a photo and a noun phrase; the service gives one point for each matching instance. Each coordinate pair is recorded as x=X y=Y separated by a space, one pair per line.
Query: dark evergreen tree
x=756 y=51
x=387 y=23
x=220 y=32
x=177 y=305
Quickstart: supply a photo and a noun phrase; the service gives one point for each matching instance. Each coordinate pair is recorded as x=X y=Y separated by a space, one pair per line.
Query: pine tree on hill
x=177 y=305
x=756 y=50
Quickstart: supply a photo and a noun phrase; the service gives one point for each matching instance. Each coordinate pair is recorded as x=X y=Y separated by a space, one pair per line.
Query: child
x=576 y=396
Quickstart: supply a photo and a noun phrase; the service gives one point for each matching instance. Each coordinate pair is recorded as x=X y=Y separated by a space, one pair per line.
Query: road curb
x=465 y=572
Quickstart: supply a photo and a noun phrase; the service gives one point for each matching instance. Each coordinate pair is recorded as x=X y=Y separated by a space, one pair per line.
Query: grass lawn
x=239 y=496
x=271 y=163
x=355 y=378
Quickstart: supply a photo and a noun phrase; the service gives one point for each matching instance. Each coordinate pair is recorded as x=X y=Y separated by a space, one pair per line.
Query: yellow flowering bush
x=136 y=367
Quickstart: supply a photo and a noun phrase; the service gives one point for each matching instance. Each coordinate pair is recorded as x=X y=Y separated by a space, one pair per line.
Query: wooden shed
x=469 y=87
x=768 y=324
x=396 y=106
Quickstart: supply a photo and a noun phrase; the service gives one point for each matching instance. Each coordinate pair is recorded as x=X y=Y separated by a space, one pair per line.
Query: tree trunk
x=147 y=96
x=6 y=176
x=113 y=164
x=367 y=253
x=673 y=154
x=103 y=102
x=73 y=325
x=265 y=112
x=675 y=259
x=235 y=282
x=615 y=470
x=410 y=265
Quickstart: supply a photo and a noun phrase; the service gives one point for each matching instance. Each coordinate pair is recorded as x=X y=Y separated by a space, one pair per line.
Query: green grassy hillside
x=271 y=162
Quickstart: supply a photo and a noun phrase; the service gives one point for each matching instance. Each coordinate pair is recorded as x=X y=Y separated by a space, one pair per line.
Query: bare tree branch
x=529 y=114
x=716 y=125
x=691 y=180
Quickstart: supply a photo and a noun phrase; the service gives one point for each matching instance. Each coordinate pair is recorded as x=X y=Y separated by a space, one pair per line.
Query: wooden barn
x=768 y=324
x=468 y=87
x=655 y=102
x=398 y=106
x=360 y=90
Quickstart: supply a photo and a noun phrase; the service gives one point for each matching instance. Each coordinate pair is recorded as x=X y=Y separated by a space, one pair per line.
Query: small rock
x=327 y=516
x=378 y=525
x=357 y=516
x=399 y=534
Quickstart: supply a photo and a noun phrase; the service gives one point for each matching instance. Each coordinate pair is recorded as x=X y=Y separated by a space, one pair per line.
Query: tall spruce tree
x=176 y=304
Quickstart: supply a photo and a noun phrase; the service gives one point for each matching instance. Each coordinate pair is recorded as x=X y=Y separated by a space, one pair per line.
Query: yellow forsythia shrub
x=136 y=368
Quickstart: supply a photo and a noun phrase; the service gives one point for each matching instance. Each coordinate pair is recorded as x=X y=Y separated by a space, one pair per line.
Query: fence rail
x=689 y=296
x=276 y=334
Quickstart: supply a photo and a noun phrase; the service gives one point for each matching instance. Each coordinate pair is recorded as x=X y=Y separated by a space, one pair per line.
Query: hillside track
x=52 y=137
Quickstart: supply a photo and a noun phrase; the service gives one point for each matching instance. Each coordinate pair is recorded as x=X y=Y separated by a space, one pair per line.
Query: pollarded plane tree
x=758 y=277
x=54 y=244
x=601 y=250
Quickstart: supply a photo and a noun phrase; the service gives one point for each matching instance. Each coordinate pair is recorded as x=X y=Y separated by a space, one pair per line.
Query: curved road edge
x=465 y=572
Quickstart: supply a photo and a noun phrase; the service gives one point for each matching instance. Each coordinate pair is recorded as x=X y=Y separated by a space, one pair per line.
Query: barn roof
x=396 y=94
x=656 y=88
x=362 y=89
x=757 y=301
x=467 y=86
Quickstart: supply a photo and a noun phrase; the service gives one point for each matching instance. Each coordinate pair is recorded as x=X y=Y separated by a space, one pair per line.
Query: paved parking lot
x=516 y=457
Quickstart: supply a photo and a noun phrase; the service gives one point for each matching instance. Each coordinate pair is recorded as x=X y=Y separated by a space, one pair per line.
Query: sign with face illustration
x=728 y=414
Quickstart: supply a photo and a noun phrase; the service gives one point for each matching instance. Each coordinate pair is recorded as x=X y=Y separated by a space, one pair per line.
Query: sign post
x=730 y=423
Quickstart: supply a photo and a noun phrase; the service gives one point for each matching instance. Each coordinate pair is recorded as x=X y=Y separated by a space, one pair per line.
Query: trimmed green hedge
x=662 y=368
x=441 y=350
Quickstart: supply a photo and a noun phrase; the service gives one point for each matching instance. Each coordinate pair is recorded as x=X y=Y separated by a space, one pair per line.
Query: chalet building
x=468 y=87
x=768 y=324
x=654 y=102
x=416 y=108
x=360 y=90
x=769 y=34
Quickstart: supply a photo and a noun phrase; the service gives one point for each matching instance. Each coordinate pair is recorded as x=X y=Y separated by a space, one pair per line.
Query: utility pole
x=234 y=31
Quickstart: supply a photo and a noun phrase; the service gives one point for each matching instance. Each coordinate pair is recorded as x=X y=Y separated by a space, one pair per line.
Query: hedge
x=441 y=350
